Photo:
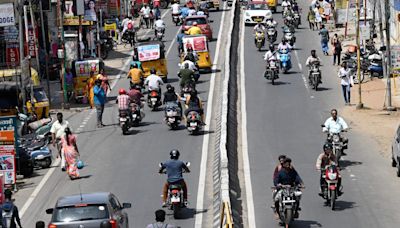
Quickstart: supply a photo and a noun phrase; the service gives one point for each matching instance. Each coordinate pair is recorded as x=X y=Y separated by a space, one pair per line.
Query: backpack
x=7 y=213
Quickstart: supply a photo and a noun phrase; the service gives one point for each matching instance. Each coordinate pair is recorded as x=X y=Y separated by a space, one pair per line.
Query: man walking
x=57 y=132
x=324 y=39
x=99 y=101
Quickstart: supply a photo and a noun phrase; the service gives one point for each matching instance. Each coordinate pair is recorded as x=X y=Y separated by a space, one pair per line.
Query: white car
x=255 y=12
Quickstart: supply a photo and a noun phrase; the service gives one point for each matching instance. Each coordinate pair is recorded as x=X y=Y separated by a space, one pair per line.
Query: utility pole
x=60 y=19
x=389 y=106
x=45 y=48
x=373 y=27
x=21 y=50
x=384 y=57
x=34 y=34
x=347 y=19
x=360 y=105
x=29 y=56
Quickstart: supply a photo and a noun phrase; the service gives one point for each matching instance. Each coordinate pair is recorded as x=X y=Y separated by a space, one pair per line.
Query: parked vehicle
x=24 y=163
x=37 y=147
x=89 y=210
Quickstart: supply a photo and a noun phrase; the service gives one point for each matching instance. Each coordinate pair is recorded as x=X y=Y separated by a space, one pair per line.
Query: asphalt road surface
x=285 y=119
x=128 y=165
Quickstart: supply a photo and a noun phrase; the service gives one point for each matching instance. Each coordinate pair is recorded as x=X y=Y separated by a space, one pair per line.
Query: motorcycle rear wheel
x=175 y=209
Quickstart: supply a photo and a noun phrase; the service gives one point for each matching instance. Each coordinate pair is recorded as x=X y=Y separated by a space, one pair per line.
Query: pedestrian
x=179 y=40
x=311 y=18
x=160 y=218
x=71 y=153
x=318 y=18
x=157 y=11
x=57 y=132
x=9 y=212
x=99 y=101
x=89 y=89
x=152 y=16
x=337 y=49
x=40 y=224
x=69 y=81
x=145 y=11
x=346 y=82
x=105 y=84
x=324 y=39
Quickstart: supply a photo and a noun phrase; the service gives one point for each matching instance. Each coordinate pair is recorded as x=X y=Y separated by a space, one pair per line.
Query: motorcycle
x=37 y=147
x=127 y=120
x=272 y=71
x=329 y=188
x=260 y=40
x=315 y=75
x=175 y=201
x=289 y=37
x=176 y=18
x=28 y=124
x=271 y=35
x=186 y=90
x=172 y=115
x=284 y=58
x=337 y=143
x=296 y=20
x=159 y=34
x=289 y=22
x=288 y=204
x=154 y=100
x=193 y=120
x=375 y=67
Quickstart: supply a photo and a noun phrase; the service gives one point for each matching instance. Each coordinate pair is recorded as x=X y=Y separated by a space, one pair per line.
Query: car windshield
x=200 y=21
x=80 y=213
x=257 y=7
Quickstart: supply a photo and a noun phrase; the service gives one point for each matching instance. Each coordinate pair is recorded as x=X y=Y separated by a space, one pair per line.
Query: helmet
x=195 y=23
x=174 y=154
x=170 y=88
x=193 y=93
x=134 y=65
x=271 y=47
x=283 y=40
x=282 y=157
x=122 y=91
x=153 y=71
x=287 y=160
x=327 y=146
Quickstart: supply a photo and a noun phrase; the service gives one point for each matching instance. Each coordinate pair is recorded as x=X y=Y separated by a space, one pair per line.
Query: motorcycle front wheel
x=333 y=199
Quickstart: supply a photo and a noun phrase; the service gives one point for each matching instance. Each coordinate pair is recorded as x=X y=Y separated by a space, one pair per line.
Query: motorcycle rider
x=176 y=8
x=123 y=101
x=154 y=82
x=194 y=30
x=271 y=55
x=160 y=218
x=258 y=28
x=312 y=59
x=179 y=40
x=283 y=47
x=285 y=5
x=136 y=75
x=191 y=54
x=194 y=103
x=57 y=132
x=172 y=96
x=324 y=159
x=271 y=22
x=159 y=25
x=174 y=168
x=286 y=176
x=336 y=124
x=186 y=75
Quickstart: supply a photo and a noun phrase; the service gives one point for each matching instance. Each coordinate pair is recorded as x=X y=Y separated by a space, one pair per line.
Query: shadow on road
x=344 y=205
x=306 y=224
x=187 y=213
x=346 y=163
x=320 y=89
x=281 y=83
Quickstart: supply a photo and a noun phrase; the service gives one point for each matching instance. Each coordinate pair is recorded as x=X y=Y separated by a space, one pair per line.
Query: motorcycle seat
x=174 y=186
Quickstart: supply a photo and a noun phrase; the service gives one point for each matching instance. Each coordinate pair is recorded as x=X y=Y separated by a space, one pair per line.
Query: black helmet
x=174 y=154
x=170 y=88
x=282 y=157
x=287 y=160
x=327 y=146
x=271 y=47
x=153 y=71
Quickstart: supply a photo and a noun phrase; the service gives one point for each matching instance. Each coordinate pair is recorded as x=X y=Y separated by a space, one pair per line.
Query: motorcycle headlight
x=332 y=176
x=336 y=138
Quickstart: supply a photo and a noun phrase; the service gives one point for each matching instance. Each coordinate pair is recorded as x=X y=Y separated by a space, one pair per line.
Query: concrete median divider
x=222 y=203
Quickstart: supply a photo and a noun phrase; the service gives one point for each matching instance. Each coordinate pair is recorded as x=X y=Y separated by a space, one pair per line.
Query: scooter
x=286 y=63
x=172 y=115
x=193 y=120
x=154 y=100
x=260 y=40
x=37 y=147
x=159 y=34
x=127 y=120
x=176 y=18
x=271 y=35
x=289 y=37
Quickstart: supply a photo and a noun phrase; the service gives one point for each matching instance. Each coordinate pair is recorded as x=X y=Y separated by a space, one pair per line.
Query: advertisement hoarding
x=7 y=17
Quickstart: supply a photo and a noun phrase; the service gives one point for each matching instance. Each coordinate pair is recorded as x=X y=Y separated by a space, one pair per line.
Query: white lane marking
x=172 y=42
x=51 y=170
x=246 y=163
x=204 y=152
x=302 y=74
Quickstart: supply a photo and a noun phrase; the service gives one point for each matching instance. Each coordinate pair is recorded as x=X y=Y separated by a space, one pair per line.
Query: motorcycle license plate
x=332 y=187
x=171 y=119
x=153 y=99
x=122 y=119
x=175 y=199
x=193 y=124
x=288 y=201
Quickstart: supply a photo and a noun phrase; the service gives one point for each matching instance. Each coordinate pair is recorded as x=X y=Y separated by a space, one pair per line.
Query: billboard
x=7 y=17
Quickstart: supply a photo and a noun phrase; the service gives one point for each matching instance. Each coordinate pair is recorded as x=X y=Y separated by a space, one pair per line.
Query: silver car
x=396 y=151
x=91 y=210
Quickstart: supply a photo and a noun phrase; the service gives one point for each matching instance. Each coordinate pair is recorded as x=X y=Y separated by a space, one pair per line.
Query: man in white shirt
x=159 y=25
x=191 y=12
x=176 y=8
x=57 y=131
x=153 y=81
x=145 y=11
x=346 y=82
x=335 y=125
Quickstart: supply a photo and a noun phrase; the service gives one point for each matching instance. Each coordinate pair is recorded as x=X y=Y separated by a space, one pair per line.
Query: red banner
x=12 y=56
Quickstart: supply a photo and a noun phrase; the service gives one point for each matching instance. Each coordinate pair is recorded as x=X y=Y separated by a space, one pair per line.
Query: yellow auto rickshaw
x=151 y=54
x=81 y=73
x=40 y=102
x=199 y=44
x=213 y=4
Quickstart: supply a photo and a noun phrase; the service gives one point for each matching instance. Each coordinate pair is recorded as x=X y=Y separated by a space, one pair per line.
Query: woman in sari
x=71 y=153
x=105 y=84
x=90 y=86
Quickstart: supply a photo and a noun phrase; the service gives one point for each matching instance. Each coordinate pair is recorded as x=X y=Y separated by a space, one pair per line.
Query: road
x=128 y=165
x=285 y=119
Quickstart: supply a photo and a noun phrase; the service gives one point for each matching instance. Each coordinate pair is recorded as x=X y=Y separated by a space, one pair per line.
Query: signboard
x=12 y=46
x=395 y=56
x=7 y=17
x=31 y=41
x=8 y=139
x=149 y=52
x=197 y=43
x=90 y=10
x=83 y=68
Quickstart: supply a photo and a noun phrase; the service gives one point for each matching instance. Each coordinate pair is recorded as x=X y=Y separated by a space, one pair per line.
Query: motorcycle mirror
x=187 y=164
x=160 y=165
x=322 y=125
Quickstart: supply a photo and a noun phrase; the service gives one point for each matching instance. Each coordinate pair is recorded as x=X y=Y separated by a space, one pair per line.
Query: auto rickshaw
x=199 y=44
x=81 y=72
x=40 y=102
x=152 y=55
x=213 y=4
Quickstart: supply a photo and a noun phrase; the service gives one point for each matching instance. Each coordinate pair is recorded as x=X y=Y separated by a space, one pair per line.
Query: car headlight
x=247 y=14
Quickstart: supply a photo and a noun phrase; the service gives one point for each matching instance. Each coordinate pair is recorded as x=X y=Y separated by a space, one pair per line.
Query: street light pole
x=389 y=106
x=360 y=105
x=21 y=51
x=46 y=55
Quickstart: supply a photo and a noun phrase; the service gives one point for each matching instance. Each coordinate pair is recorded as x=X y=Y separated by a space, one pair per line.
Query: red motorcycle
x=330 y=186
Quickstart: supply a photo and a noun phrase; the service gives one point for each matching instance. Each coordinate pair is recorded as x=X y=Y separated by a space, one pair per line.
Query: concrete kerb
x=222 y=194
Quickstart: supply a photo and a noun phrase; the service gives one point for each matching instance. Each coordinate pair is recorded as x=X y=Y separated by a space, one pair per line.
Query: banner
x=90 y=10
x=7 y=17
x=197 y=43
x=149 y=52
x=7 y=164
